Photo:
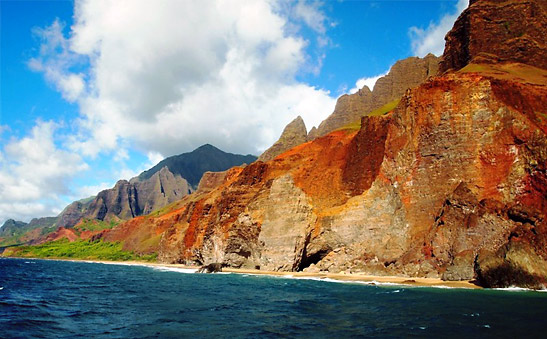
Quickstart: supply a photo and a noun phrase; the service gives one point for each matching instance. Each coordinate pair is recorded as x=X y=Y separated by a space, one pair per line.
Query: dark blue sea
x=59 y=299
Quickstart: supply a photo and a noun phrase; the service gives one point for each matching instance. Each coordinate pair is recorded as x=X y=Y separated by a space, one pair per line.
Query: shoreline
x=341 y=277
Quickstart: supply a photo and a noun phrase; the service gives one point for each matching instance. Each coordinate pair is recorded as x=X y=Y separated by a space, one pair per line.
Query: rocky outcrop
x=404 y=74
x=74 y=212
x=294 y=134
x=129 y=199
x=211 y=180
x=151 y=190
x=494 y=31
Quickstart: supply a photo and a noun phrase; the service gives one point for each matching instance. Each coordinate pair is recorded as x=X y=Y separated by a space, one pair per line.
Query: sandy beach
x=347 y=277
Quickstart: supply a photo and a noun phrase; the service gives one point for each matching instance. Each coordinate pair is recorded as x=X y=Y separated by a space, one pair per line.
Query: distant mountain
x=168 y=181
x=192 y=165
x=17 y=232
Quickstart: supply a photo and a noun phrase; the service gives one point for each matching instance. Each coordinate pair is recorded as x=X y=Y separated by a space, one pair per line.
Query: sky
x=96 y=91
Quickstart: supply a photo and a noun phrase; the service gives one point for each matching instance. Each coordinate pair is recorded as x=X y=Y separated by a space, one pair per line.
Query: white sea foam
x=518 y=289
x=1 y=288
x=174 y=269
x=371 y=283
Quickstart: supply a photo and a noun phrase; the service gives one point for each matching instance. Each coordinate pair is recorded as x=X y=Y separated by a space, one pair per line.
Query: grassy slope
x=94 y=225
x=356 y=125
x=91 y=250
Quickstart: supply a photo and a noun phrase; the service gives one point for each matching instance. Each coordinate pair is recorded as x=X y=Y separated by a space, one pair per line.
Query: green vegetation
x=81 y=249
x=356 y=125
x=384 y=109
x=18 y=232
x=95 y=225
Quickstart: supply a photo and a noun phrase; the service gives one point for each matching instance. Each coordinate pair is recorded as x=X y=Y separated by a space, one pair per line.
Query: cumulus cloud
x=169 y=76
x=431 y=39
x=367 y=81
x=162 y=78
x=34 y=172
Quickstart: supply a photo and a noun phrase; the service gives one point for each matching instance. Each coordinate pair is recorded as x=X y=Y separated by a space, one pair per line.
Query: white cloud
x=163 y=77
x=169 y=76
x=431 y=39
x=34 y=172
x=92 y=190
x=312 y=15
x=369 y=82
x=55 y=60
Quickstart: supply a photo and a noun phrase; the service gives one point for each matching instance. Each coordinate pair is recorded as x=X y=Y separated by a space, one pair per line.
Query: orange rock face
x=498 y=31
x=452 y=178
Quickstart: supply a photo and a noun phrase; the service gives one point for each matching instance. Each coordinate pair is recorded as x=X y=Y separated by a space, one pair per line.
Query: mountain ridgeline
x=168 y=181
x=349 y=109
x=192 y=165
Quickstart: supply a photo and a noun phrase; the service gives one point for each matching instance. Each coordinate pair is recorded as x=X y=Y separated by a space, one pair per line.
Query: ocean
x=60 y=299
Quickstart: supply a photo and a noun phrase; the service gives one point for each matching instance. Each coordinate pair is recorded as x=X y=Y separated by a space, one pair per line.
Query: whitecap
x=1 y=288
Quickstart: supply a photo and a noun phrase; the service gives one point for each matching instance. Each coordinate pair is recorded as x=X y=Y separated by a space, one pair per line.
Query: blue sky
x=92 y=92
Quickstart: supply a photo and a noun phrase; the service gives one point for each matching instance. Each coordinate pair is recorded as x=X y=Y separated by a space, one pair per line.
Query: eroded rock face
x=294 y=134
x=404 y=74
x=497 y=31
x=211 y=180
x=129 y=199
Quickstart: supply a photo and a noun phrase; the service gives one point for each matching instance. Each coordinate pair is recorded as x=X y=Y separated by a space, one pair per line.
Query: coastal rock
x=494 y=31
x=294 y=134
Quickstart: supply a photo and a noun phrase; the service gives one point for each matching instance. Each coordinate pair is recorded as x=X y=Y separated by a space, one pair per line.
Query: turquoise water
x=57 y=299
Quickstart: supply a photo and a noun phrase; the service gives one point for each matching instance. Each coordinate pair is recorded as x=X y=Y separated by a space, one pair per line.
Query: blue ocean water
x=59 y=299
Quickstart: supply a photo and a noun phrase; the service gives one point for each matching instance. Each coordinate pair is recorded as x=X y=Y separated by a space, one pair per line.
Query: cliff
x=516 y=33
x=404 y=74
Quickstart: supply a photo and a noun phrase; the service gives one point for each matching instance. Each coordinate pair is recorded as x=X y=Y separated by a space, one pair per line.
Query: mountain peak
x=294 y=134
x=192 y=165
